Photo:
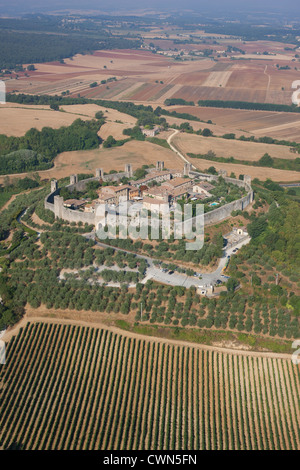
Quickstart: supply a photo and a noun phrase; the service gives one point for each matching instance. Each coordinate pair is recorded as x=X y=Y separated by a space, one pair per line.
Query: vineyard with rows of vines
x=74 y=387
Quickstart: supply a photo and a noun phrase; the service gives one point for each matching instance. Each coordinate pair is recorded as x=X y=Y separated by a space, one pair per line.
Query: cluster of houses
x=159 y=186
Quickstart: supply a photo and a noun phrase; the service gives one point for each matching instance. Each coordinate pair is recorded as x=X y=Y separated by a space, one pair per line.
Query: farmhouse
x=151 y=132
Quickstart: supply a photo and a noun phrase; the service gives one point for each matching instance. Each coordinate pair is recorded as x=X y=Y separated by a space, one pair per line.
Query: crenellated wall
x=55 y=203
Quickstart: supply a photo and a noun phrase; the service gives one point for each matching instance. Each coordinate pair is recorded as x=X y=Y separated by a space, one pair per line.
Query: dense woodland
x=249 y=105
x=254 y=32
x=28 y=40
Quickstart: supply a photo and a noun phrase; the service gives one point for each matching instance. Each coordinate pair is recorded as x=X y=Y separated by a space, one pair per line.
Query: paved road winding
x=178 y=279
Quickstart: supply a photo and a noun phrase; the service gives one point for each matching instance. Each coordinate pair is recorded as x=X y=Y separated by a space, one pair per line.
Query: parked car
x=171 y=272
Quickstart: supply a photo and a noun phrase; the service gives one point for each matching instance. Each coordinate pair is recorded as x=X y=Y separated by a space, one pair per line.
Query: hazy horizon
x=288 y=8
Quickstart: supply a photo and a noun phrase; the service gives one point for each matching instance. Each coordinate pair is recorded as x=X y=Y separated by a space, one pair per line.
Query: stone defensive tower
x=128 y=170
x=186 y=169
x=247 y=179
x=73 y=179
x=222 y=173
x=99 y=173
x=54 y=186
x=160 y=166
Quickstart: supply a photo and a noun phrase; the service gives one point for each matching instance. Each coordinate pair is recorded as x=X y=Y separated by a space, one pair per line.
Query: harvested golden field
x=115 y=123
x=259 y=123
x=16 y=119
x=143 y=76
x=215 y=128
x=217 y=79
x=86 y=161
x=283 y=176
x=250 y=151
x=134 y=152
x=75 y=387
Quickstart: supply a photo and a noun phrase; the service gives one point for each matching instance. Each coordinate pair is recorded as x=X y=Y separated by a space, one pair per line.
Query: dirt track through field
x=50 y=317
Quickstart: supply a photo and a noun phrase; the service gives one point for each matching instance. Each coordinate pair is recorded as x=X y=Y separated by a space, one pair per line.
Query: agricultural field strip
x=17 y=393
x=270 y=399
x=40 y=377
x=69 y=397
x=129 y=394
x=145 y=373
x=234 y=364
x=211 y=399
x=153 y=400
x=226 y=391
x=287 y=399
x=268 y=428
x=52 y=383
x=284 y=425
x=100 y=373
x=280 y=417
x=216 y=79
x=86 y=409
x=233 y=402
x=67 y=378
x=131 y=354
x=283 y=416
x=127 y=92
x=164 y=383
x=206 y=427
x=249 y=401
x=115 y=401
x=86 y=379
x=273 y=443
x=266 y=130
x=292 y=394
x=243 y=403
x=257 y=411
x=107 y=387
x=171 y=92
x=20 y=395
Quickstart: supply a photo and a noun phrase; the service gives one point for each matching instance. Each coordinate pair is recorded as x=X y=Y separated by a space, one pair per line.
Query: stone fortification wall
x=54 y=202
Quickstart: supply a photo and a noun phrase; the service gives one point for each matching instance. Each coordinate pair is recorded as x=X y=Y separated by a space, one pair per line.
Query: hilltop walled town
x=159 y=187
